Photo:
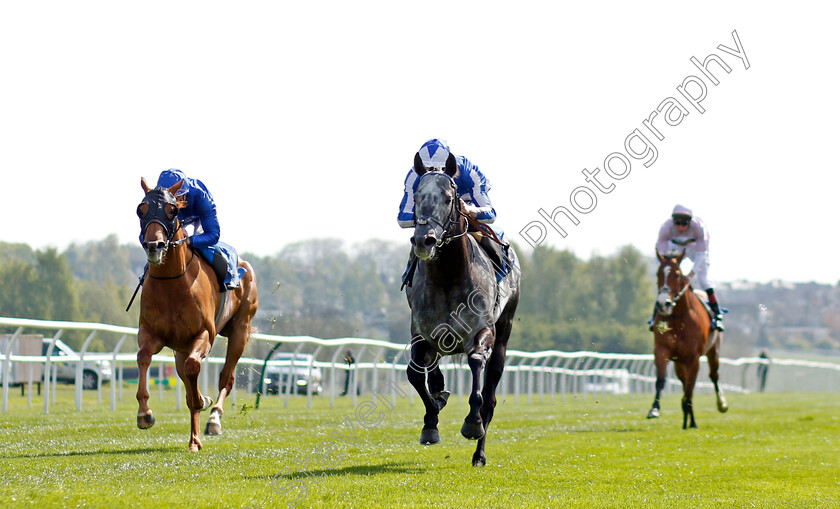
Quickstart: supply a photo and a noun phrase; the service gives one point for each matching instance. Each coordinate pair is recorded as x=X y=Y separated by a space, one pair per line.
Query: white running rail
x=528 y=375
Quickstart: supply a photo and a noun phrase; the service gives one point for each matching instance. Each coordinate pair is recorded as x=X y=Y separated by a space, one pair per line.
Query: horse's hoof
x=472 y=430
x=208 y=402
x=479 y=460
x=653 y=414
x=440 y=399
x=429 y=436
x=214 y=424
x=195 y=447
x=722 y=406
x=145 y=421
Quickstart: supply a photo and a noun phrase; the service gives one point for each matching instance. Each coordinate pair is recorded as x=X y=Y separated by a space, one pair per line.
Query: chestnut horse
x=457 y=307
x=681 y=334
x=180 y=308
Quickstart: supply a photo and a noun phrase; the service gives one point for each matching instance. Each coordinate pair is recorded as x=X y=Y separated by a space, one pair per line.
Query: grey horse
x=457 y=306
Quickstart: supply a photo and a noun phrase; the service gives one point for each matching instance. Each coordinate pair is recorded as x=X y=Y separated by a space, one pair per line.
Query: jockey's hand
x=469 y=209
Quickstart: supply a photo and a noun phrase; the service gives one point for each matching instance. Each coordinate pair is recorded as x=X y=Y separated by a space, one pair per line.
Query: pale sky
x=303 y=119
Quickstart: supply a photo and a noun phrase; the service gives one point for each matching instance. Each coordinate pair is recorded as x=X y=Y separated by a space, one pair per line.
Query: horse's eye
x=171 y=211
x=142 y=209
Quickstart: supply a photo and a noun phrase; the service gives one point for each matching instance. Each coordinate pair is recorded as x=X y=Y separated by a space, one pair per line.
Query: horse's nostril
x=413 y=242
x=429 y=241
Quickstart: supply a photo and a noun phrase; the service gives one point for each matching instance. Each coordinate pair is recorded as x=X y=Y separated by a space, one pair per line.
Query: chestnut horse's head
x=437 y=207
x=158 y=213
x=670 y=280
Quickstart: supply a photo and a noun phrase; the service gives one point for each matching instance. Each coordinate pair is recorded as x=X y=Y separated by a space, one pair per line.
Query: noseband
x=454 y=212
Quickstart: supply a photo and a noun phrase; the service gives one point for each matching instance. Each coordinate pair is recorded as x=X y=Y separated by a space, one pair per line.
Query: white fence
x=528 y=375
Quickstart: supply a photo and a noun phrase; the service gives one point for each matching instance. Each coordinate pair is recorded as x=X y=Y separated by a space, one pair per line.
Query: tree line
x=326 y=289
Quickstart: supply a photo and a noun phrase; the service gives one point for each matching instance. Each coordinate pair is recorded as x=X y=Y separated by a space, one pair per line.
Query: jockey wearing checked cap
x=472 y=187
x=199 y=216
x=686 y=232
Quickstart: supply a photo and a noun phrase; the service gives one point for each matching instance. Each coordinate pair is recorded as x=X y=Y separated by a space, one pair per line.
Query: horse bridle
x=157 y=215
x=454 y=211
x=681 y=293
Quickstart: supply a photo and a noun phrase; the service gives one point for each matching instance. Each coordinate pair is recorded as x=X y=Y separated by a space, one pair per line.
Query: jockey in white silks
x=684 y=231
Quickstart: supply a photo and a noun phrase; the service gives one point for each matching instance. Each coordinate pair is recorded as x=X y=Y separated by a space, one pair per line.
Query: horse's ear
x=144 y=185
x=174 y=189
x=680 y=257
x=659 y=255
x=419 y=168
x=451 y=165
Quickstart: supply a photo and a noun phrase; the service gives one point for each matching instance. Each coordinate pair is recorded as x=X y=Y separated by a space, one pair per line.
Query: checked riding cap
x=434 y=153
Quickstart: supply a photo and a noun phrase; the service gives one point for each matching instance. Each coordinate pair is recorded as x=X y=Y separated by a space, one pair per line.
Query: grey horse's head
x=436 y=207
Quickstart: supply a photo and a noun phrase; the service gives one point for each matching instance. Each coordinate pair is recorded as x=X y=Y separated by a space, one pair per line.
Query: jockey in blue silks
x=200 y=216
x=472 y=187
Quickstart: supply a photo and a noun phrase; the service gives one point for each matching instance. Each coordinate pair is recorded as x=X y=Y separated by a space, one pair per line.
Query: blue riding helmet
x=434 y=153
x=172 y=176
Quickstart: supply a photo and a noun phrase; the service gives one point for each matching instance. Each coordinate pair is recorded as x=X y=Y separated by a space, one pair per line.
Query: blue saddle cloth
x=502 y=271
x=225 y=262
x=505 y=268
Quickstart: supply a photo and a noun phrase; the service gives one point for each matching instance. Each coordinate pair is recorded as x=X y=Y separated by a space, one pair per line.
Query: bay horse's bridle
x=672 y=300
x=157 y=199
x=156 y=214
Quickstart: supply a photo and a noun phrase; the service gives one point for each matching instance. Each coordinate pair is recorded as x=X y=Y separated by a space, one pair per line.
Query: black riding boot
x=715 y=309
x=496 y=253
x=408 y=275
x=653 y=316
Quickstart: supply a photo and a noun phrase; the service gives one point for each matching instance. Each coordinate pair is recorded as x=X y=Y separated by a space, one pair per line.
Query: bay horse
x=681 y=333
x=181 y=307
x=457 y=306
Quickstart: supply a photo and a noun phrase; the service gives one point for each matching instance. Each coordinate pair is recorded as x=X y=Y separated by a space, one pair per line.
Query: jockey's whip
x=139 y=284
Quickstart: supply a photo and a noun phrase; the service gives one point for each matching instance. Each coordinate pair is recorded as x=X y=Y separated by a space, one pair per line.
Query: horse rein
x=146 y=271
x=681 y=293
x=471 y=221
x=171 y=230
x=483 y=228
x=186 y=269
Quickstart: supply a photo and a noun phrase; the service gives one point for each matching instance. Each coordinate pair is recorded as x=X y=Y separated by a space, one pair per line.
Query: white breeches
x=701 y=264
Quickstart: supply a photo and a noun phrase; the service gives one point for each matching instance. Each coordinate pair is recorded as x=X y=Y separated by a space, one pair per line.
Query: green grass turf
x=769 y=450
